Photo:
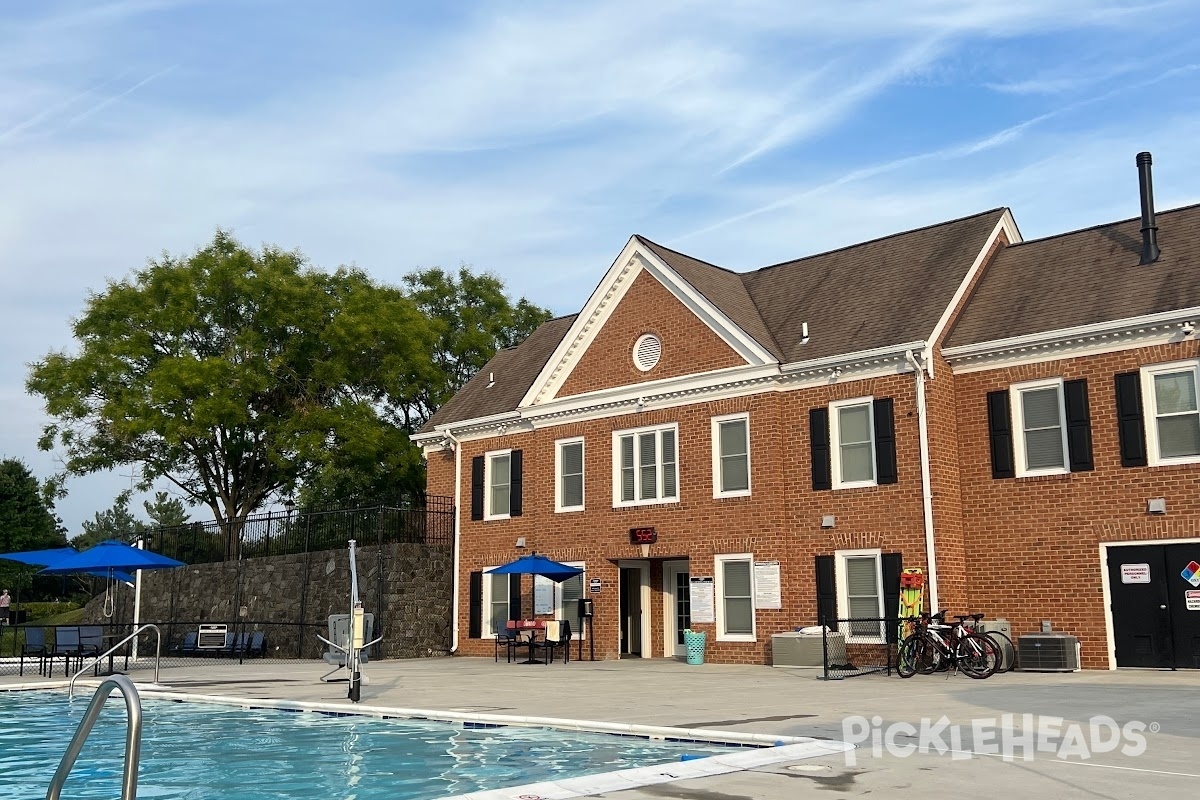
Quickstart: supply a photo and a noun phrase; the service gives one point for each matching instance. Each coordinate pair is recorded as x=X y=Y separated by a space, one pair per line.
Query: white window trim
x=558 y=476
x=485 y=613
x=843 y=597
x=616 y=466
x=718 y=492
x=576 y=635
x=835 y=442
x=487 y=483
x=1018 y=417
x=719 y=591
x=1150 y=410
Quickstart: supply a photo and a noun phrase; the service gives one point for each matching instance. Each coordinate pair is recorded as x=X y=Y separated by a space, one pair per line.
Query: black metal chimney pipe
x=1150 y=249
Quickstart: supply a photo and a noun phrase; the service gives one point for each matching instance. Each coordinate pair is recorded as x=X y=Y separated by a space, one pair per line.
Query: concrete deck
x=784 y=703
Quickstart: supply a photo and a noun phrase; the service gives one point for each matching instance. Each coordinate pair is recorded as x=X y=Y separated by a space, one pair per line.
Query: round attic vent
x=646 y=352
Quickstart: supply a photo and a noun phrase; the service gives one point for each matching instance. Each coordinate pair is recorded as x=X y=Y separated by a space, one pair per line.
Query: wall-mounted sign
x=543 y=595
x=1191 y=573
x=643 y=536
x=701 y=596
x=767 y=592
x=1192 y=599
x=1135 y=573
x=211 y=637
x=594 y=585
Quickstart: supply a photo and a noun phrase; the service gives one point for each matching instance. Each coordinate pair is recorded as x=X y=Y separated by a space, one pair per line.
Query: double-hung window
x=1039 y=427
x=1172 y=412
x=568 y=494
x=735 y=597
x=731 y=455
x=853 y=446
x=860 y=592
x=498 y=480
x=495 y=603
x=645 y=466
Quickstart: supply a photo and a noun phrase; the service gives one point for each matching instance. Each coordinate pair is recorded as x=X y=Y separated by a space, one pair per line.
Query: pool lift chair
x=348 y=635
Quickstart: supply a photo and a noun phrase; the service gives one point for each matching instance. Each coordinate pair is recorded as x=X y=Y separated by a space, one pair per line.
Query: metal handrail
x=133 y=737
x=96 y=659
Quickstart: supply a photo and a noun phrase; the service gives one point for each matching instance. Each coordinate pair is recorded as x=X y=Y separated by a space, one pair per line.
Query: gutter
x=457 y=538
x=926 y=486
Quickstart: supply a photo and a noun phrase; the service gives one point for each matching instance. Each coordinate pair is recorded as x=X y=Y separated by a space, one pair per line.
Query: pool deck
x=778 y=702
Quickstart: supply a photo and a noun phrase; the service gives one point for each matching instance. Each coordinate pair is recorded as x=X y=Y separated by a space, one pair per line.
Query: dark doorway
x=631 y=612
x=1155 y=609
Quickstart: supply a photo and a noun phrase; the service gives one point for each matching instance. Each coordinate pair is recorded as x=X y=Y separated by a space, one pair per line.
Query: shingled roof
x=887 y=291
x=1084 y=277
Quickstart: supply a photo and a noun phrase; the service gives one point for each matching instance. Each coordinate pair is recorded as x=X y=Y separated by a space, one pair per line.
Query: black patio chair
x=510 y=640
x=563 y=641
x=66 y=644
x=34 y=645
x=91 y=643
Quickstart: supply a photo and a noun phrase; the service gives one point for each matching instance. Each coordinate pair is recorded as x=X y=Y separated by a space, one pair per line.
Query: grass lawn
x=10 y=643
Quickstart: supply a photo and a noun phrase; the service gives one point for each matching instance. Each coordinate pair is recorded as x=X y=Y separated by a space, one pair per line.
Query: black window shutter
x=1000 y=434
x=515 y=482
x=891 y=565
x=826 y=592
x=885 y=441
x=818 y=435
x=514 y=597
x=477 y=487
x=475 y=606
x=1131 y=428
x=1079 y=425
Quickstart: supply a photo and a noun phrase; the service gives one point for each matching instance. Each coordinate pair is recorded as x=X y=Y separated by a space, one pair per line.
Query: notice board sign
x=211 y=637
x=1192 y=599
x=767 y=592
x=594 y=585
x=703 y=608
x=1135 y=573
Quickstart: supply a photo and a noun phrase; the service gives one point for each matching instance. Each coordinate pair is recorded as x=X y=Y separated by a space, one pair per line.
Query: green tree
x=27 y=521
x=117 y=523
x=472 y=318
x=231 y=373
x=165 y=511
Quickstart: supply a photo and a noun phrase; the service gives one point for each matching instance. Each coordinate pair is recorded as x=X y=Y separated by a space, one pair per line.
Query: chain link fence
x=855 y=646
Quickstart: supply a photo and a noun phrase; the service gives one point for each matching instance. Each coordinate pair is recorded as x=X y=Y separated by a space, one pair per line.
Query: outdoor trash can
x=694 y=642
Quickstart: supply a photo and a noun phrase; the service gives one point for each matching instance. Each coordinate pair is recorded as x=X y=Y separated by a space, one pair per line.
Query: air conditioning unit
x=804 y=649
x=1005 y=627
x=1048 y=652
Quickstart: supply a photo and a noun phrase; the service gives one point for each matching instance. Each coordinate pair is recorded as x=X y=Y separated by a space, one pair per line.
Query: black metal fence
x=858 y=646
x=283 y=533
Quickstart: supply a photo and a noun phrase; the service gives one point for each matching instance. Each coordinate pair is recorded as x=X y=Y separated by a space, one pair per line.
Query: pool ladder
x=133 y=736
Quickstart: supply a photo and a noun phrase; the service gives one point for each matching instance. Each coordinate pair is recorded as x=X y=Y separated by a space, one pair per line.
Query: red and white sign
x=1192 y=597
x=1135 y=573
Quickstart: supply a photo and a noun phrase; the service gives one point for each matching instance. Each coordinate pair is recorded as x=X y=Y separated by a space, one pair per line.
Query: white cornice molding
x=684 y=390
x=1081 y=340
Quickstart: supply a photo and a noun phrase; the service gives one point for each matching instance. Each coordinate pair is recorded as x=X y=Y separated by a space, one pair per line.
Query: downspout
x=926 y=485
x=457 y=512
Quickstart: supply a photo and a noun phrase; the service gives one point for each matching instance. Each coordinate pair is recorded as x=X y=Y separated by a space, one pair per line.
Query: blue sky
x=531 y=139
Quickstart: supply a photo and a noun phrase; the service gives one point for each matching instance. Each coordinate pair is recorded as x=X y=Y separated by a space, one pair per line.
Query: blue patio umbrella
x=536 y=564
x=57 y=555
x=113 y=557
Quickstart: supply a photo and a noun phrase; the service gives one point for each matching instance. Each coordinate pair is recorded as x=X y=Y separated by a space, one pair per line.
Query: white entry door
x=676 y=607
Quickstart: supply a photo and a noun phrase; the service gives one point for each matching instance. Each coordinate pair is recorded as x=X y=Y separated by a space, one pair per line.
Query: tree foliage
x=232 y=373
x=27 y=520
x=165 y=511
x=117 y=523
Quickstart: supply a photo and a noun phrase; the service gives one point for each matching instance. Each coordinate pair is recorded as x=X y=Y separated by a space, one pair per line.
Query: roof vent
x=1150 y=249
x=646 y=352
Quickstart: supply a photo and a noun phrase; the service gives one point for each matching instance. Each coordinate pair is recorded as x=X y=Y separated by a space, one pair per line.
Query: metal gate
x=1155 y=592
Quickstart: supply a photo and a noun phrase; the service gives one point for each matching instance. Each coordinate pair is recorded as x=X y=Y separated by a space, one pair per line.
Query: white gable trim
x=1008 y=225
x=632 y=260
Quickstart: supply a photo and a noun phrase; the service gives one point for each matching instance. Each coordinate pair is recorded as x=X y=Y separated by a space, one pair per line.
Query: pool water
x=201 y=751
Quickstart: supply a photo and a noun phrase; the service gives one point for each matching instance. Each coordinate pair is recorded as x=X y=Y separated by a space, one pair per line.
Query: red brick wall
x=1033 y=548
x=780 y=521
x=688 y=345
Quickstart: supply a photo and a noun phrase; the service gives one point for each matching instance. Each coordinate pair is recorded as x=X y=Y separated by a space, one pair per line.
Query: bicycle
x=1008 y=655
x=936 y=645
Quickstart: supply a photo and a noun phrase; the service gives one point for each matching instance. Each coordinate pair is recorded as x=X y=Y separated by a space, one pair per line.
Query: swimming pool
x=198 y=751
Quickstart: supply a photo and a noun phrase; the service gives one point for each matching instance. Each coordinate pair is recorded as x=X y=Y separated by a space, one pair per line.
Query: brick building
x=996 y=412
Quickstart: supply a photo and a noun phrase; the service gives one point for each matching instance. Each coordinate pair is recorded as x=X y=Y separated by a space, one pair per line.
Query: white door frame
x=671 y=569
x=644 y=579
x=1108 y=617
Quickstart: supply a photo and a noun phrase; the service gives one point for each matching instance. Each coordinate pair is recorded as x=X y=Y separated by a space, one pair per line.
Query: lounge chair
x=34 y=645
x=257 y=645
x=339 y=634
x=558 y=634
x=188 y=647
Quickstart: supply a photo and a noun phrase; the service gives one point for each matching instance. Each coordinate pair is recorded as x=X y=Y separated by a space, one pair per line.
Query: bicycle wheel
x=1008 y=653
x=977 y=655
x=910 y=656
